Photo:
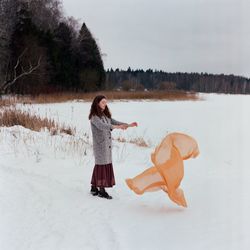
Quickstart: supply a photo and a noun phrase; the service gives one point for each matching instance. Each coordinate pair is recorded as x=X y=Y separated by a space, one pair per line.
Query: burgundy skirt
x=103 y=176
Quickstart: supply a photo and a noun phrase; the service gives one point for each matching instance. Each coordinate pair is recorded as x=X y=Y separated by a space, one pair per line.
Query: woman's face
x=102 y=104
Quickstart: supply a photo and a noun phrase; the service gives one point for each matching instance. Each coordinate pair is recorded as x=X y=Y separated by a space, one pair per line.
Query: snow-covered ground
x=45 y=180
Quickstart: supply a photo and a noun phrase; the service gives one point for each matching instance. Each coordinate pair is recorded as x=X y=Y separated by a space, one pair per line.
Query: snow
x=45 y=180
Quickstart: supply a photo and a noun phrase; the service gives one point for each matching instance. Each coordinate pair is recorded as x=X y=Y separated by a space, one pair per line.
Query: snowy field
x=45 y=180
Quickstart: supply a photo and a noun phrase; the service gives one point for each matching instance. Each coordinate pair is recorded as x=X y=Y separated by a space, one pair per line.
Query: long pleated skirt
x=103 y=176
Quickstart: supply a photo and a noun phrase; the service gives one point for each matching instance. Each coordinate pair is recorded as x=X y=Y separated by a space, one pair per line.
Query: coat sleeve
x=114 y=122
x=96 y=121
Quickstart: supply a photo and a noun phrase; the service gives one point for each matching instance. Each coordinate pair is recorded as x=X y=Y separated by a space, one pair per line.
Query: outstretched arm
x=124 y=125
x=115 y=122
x=100 y=124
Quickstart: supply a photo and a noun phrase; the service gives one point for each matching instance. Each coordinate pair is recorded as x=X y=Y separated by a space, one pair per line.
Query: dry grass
x=36 y=146
x=111 y=95
x=7 y=102
x=139 y=141
x=12 y=117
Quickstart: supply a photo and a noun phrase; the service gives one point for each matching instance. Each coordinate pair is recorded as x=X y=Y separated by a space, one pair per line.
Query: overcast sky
x=172 y=35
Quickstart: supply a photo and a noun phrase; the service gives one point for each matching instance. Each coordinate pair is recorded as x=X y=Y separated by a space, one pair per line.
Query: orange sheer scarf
x=168 y=169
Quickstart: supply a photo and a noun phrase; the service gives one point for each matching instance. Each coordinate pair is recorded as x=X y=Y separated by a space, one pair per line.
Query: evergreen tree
x=65 y=69
x=91 y=72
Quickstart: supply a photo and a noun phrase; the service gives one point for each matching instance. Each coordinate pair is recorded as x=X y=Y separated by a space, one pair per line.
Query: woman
x=101 y=126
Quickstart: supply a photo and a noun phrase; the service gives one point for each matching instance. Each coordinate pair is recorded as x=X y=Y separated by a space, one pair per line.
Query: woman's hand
x=133 y=124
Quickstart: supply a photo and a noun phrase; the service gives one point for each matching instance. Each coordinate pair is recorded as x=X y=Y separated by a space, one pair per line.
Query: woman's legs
x=94 y=190
x=102 y=176
x=102 y=193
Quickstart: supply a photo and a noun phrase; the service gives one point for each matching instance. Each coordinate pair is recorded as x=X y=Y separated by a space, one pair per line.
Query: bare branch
x=18 y=62
x=7 y=84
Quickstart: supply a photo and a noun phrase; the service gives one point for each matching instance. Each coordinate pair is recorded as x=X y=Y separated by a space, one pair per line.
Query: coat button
x=109 y=146
x=109 y=137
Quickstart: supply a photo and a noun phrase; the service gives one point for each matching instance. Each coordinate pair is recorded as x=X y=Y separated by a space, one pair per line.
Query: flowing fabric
x=168 y=169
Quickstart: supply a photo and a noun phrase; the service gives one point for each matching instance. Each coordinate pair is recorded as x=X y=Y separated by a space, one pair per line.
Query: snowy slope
x=44 y=181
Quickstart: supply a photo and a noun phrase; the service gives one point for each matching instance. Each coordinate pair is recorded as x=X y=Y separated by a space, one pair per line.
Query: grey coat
x=102 y=142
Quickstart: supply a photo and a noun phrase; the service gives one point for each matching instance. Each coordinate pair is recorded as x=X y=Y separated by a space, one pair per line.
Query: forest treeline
x=43 y=51
x=160 y=80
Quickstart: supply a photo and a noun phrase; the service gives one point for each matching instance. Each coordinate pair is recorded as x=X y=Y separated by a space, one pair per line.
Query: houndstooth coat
x=101 y=128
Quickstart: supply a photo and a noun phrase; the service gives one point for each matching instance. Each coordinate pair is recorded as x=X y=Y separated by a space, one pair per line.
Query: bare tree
x=7 y=23
x=46 y=14
x=12 y=76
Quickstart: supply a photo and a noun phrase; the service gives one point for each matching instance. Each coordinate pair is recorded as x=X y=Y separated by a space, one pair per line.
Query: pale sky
x=210 y=36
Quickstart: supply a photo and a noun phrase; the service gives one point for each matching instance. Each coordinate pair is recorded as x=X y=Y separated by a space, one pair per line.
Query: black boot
x=94 y=190
x=102 y=193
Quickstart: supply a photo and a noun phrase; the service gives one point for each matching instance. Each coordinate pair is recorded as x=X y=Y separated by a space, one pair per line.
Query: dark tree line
x=41 y=51
x=198 y=82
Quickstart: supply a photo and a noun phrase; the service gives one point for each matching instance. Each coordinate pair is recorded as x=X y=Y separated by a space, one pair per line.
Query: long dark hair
x=96 y=110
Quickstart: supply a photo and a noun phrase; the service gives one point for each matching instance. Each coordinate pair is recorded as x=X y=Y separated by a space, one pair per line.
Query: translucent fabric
x=168 y=169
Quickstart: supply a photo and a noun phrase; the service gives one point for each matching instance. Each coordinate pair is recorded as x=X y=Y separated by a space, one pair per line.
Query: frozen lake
x=45 y=201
